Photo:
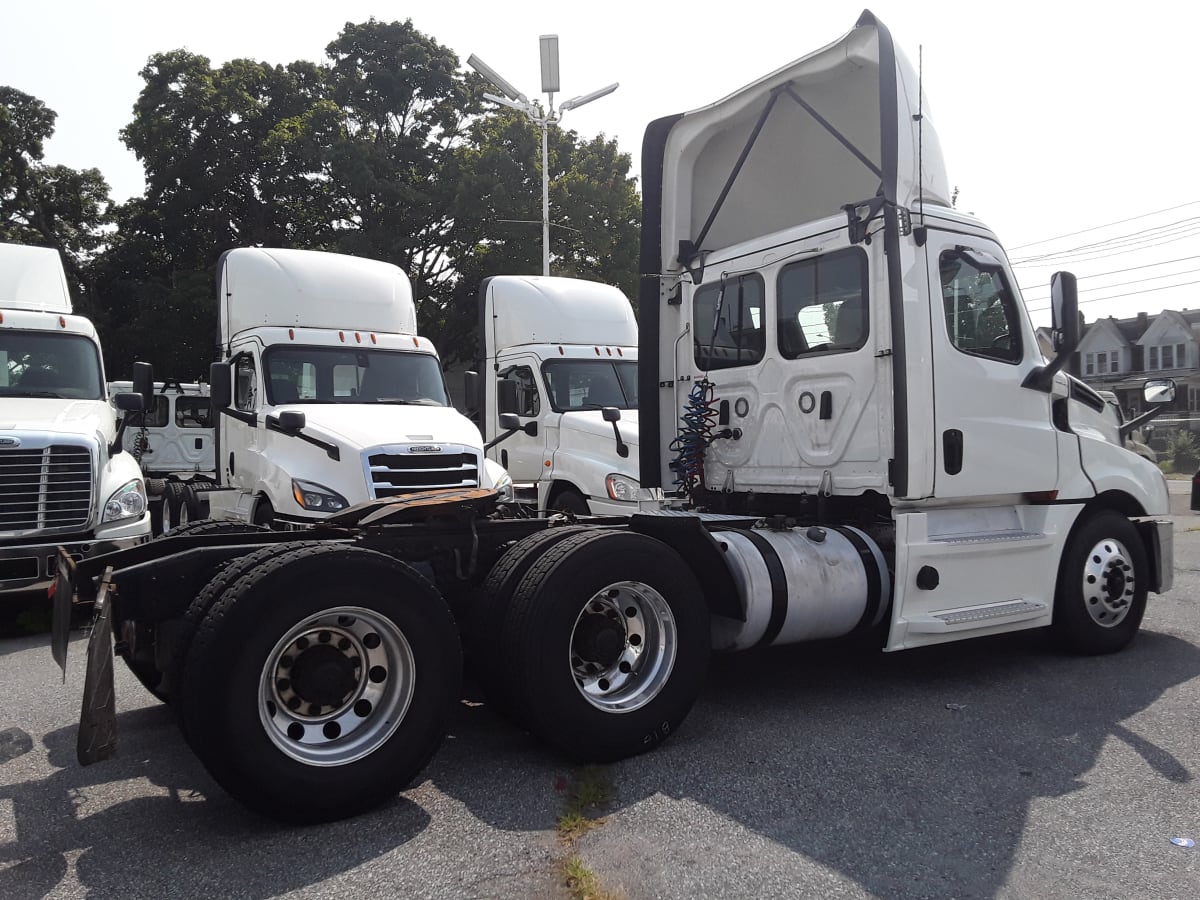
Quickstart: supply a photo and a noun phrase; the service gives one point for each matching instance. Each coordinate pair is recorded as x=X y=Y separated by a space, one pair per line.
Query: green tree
x=53 y=206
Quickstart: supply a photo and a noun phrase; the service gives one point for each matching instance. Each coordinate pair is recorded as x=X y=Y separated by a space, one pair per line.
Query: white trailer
x=561 y=354
x=850 y=430
x=327 y=396
x=64 y=479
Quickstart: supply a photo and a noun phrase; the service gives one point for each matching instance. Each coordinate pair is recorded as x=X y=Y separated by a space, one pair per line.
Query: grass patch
x=588 y=792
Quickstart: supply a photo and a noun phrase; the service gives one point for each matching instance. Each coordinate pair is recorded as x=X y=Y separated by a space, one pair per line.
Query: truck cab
x=64 y=478
x=561 y=354
x=327 y=396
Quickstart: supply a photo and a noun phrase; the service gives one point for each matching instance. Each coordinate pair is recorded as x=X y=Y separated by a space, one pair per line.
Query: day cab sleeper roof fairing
x=844 y=126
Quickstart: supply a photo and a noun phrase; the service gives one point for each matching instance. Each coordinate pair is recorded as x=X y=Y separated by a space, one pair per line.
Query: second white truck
x=327 y=396
x=561 y=354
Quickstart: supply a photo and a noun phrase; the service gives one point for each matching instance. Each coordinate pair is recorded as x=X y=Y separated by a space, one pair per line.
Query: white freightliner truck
x=561 y=354
x=847 y=421
x=63 y=477
x=327 y=396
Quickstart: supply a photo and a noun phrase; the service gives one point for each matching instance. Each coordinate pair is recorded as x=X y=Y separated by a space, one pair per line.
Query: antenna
x=921 y=129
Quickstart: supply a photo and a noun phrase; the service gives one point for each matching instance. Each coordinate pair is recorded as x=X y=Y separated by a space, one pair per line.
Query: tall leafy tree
x=49 y=205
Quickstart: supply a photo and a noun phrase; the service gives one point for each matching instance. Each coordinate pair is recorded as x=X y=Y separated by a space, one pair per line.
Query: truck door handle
x=199 y=443
x=826 y=405
x=952 y=450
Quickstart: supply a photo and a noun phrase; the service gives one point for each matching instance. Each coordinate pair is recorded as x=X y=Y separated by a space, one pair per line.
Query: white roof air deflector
x=33 y=278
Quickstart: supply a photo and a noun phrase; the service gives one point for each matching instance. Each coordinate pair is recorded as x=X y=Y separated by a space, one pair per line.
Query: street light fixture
x=543 y=118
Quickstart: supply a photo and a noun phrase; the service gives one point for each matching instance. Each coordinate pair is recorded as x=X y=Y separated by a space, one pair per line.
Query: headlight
x=317 y=497
x=504 y=484
x=622 y=488
x=127 y=503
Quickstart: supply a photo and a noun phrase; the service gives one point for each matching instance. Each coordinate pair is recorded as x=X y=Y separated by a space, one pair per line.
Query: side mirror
x=1064 y=315
x=1064 y=303
x=220 y=385
x=471 y=390
x=130 y=402
x=506 y=396
x=510 y=421
x=1159 y=390
x=143 y=383
x=292 y=420
x=611 y=414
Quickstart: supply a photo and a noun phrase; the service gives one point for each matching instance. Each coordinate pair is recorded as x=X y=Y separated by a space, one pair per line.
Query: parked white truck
x=846 y=420
x=63 y=477
x=561 y=354
x=327 y=396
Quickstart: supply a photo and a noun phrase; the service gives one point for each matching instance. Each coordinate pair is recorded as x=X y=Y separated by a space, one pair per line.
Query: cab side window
x=823 y=305
x=245 y=383
x=193 y=412
x=980 y=309
x=528 y=402
x=156 y=416
x=728 y=323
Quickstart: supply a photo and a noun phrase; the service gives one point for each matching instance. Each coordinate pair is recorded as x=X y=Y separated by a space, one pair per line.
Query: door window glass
x=245 y=383
x=980 y=310
x=528 y=402
x=729 y=323
x=193 y=412
x=823 y=305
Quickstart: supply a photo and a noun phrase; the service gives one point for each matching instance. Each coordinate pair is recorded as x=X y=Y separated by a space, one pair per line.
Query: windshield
x=45 y=364
x=591 y=384
x=332 y=375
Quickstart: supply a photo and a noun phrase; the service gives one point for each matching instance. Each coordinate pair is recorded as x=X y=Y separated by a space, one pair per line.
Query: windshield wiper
x=40 y=394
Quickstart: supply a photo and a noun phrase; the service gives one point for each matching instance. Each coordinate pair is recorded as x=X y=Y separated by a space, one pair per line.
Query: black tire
x=589 y=606
x=158 y=515
x=148 y=676
x=569 y=500
x=486 y=656
x=182 y=506
x=1102 y=586
x=264 y=513
x=262 y=728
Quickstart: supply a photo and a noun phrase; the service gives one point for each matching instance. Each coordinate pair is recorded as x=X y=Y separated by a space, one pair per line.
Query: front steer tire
x=321 y=681
x=1102 y=586
x=608 y=640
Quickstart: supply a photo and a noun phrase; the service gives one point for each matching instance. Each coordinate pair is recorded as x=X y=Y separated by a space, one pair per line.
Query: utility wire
x=1122 y=240
x=1038 y=293
x=1108 y=225
x=1129 y=294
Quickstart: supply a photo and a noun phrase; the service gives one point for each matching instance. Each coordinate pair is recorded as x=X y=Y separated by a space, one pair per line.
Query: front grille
x=402 y=473
x=44 y=489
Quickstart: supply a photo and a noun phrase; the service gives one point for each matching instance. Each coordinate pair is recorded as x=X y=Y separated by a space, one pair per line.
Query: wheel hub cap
x=1109 y=583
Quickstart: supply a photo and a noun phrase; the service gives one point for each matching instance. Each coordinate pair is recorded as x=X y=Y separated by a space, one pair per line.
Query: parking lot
x=995 y=768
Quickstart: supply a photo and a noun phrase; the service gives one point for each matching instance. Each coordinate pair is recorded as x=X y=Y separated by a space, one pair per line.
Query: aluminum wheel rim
x=1109 y=583
x=336 y=686
x=623 y=647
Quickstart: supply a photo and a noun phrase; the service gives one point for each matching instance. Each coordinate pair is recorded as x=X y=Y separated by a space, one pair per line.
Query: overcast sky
x=1055 y=118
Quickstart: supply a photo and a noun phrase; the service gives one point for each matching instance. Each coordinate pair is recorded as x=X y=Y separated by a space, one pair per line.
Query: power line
x=1108 y=225
x=1117 y=241
x=1034 y=293
x=1165 y=287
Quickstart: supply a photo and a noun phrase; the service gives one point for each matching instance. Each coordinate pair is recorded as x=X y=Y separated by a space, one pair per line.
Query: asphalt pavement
x=990 y=768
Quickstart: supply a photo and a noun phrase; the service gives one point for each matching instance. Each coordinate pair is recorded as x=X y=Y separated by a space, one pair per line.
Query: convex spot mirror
x=1159 y=390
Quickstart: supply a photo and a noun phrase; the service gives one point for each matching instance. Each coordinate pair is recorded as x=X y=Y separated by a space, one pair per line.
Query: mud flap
x=62 y=592
x=98 y=718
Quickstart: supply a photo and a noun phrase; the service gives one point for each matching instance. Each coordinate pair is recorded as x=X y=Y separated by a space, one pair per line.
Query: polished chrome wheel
x=336 y=686
x=1109 y=583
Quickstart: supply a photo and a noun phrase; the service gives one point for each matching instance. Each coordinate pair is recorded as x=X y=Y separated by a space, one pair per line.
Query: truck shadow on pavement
x=911 y=774
x=187 y=838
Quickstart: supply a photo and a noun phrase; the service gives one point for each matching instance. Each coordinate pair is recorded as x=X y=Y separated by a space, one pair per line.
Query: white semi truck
x=327 y=396
x=561 y=354
x=64 y=479
x=847 y=430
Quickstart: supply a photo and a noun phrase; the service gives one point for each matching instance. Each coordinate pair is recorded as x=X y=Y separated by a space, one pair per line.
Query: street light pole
x=514 y=99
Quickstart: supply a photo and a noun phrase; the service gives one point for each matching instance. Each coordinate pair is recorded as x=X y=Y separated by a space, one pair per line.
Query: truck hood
x=591 y=421
x=370 y=425
x=57 y=416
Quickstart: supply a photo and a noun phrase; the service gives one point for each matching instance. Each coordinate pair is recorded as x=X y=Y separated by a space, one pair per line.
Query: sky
x=1056 y=122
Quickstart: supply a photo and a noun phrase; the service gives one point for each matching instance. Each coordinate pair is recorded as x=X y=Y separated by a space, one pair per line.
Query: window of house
x=980 y=311
x=1089 y=364
x=1180 y=358
x=1114 y=361
x=729 y=322
x=1101 y=363
x=823 y=304
x=1153 y=358
x=1168 y=357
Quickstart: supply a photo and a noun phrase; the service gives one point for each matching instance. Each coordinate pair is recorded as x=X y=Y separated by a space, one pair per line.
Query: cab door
x=991 y=436
x=523 y=455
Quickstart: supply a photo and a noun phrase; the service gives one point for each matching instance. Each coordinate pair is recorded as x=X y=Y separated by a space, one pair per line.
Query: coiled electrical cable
x=694 y=435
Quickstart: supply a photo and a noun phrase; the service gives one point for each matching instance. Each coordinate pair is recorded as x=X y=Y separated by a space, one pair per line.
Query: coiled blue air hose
x=695 y=433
